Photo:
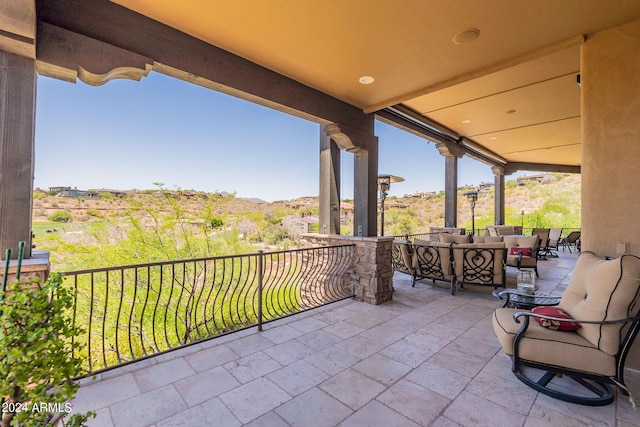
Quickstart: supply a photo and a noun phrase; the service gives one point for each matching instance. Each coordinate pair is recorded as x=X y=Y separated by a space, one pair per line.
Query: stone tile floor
x=425 y=359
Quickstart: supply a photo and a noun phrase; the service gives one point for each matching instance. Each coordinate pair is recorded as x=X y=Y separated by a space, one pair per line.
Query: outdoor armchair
x=600 y=317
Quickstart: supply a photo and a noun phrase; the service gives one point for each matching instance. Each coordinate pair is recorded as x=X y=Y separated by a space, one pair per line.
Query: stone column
x=329 y=184
x=372 y=274
x=17 y=121
x=499 y=201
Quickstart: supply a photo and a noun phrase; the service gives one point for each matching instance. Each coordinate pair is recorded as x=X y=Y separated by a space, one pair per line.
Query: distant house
x=542 y=177
x=346 y=212
x=59 y=189
x=299 y=224
x=77 y=193
x=485 y=186
x=422 y=194
x=114 y=193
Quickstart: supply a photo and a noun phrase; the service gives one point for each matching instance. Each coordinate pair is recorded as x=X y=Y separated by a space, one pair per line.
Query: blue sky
x=128 y=134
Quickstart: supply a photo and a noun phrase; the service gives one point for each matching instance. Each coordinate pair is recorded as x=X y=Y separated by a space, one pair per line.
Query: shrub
x=60 y=216
x=36 y=371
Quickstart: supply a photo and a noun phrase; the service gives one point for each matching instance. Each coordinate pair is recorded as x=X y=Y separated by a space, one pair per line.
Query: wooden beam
x=196 y=60
x=513 y=167
x=66 y=55
x=18 y=27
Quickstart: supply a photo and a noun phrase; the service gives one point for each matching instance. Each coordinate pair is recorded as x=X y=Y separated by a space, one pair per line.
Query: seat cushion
x=603 y=290
x=565 y=349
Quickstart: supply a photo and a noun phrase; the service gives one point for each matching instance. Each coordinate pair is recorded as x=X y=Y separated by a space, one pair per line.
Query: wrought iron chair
x=432 y=260
x=479 y=264
x=401 y=258
x=604 y=299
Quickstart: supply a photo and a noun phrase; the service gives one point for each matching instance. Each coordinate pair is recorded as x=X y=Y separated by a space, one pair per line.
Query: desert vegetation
x=162 y=224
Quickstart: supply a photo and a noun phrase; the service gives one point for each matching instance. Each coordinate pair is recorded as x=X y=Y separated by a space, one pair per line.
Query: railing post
x=260 y=273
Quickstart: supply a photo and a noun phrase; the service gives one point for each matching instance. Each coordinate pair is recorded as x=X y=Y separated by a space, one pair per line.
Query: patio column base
x=37 y=266
x=372 y=275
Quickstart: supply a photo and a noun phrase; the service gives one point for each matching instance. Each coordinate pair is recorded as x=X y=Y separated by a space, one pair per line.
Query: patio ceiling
x=512 y=90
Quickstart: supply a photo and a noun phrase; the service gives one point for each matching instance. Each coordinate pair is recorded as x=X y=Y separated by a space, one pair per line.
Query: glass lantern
x=526 y=282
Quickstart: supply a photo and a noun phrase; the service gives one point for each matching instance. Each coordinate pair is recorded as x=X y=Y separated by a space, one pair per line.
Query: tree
x=60 y=216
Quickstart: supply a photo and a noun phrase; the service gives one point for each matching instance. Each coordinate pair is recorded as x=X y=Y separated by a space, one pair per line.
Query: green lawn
x=40 y=228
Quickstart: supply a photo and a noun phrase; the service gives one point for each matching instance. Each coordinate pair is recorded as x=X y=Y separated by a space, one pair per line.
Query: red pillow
x=525 y=251
x=556 y=325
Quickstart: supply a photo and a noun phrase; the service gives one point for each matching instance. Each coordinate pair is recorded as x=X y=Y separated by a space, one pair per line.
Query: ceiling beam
x=513 y=167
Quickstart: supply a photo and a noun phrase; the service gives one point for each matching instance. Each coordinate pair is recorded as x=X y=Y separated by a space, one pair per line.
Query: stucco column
x=610 y=61
x=17 y=124
x=498 y=195
x=329 y=184
x=451 y=155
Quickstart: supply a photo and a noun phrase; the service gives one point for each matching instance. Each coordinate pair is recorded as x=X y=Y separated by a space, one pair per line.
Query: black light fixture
x=384 y=183
x=473 y=197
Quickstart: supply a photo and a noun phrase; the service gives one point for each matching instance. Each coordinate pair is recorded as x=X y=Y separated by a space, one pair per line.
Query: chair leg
x=595 y=392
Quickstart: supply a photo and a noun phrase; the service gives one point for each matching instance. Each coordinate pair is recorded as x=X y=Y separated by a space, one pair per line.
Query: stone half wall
x=36 y=266
x=372 y=274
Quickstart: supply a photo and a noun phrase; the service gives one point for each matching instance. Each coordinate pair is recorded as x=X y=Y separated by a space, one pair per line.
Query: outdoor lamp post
x=522 y=222
x=384 y=182
x=473 y=197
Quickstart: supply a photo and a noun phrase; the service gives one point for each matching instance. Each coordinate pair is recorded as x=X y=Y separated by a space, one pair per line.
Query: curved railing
x=132 y=312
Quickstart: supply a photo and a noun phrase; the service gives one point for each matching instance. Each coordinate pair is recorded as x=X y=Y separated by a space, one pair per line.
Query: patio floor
x=427 y=358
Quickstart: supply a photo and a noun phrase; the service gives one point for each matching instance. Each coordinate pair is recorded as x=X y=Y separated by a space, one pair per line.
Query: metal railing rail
x=133 y=312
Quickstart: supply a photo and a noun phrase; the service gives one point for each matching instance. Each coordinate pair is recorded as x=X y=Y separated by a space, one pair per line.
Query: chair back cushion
x=487 y=239
x=454 y=238
x=603 y=290
x=521 y=242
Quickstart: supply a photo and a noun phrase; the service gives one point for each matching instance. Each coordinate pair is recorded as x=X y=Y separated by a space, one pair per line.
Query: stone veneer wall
x=36 y=266
x=372 y=276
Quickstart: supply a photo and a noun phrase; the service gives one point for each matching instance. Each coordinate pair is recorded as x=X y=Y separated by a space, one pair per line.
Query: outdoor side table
x=513 y=299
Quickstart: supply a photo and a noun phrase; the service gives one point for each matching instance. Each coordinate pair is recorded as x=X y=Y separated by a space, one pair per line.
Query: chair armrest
x=516 y=317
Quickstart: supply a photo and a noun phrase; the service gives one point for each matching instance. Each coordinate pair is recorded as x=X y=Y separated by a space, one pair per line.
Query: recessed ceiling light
x=511 y=111
x=466 y=121
x=366 y=80
x=466 y=36
x=493 y=138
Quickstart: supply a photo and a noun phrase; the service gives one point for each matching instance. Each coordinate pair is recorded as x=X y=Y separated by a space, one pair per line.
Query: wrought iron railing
x=132 y=312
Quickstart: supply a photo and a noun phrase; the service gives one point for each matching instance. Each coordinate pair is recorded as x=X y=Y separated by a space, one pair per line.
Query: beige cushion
x=568 y=349
x=521 y=242
x=453 y=238
x=487 y=239
x=406 y=256
x=603 y=290
x=481 y=259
